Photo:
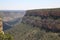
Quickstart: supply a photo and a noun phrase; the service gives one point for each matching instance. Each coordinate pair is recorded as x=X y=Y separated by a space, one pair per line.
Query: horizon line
x=28 y=9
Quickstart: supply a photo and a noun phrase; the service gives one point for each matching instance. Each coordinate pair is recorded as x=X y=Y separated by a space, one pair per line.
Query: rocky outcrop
x=1 y=26
x=44 y=13
x=48 y=19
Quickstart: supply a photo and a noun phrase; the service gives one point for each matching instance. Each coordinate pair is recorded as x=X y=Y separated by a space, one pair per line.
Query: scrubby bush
x=5 y=37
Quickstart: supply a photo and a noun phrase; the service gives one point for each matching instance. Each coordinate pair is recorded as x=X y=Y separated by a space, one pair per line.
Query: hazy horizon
x=28 y=4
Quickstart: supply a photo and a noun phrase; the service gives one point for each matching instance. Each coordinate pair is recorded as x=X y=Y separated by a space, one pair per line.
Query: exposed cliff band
x=1 y=26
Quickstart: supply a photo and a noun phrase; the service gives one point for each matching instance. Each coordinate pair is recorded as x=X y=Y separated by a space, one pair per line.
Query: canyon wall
x=48 y=19
x=1 y=26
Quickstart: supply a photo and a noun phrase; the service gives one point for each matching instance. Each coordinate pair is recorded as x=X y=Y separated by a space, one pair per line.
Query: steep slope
x=11 y=17
x=19 y=31
x=48 y=19
x=44 y=12
x=11 y=24
x=37 y=26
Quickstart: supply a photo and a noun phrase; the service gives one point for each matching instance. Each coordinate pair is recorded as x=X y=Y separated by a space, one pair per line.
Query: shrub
x=5 y=37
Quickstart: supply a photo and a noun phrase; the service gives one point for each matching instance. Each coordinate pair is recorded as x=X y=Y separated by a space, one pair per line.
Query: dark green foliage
x=19 y=31
x=6 y=37
x=37 y=27
x=27 y=32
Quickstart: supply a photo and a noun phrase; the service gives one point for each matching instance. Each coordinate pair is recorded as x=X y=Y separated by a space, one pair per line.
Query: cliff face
x=48 y=19
x=1 y=26
x=44 y=12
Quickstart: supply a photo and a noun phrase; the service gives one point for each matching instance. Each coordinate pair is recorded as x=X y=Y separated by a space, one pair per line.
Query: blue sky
x=28 y=4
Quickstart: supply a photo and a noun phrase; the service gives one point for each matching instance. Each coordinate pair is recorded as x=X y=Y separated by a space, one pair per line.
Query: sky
x=28 y=4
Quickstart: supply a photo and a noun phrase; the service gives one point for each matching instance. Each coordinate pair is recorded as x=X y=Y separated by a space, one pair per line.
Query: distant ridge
x=44 y=8
x=45 y=18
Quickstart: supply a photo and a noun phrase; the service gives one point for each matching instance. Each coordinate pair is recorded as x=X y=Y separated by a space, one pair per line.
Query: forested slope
x=39 y=24
x=48 y=19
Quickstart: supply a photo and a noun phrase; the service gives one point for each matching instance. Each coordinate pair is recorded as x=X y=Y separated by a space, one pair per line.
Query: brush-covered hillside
x=48 y=19
x=39 y=24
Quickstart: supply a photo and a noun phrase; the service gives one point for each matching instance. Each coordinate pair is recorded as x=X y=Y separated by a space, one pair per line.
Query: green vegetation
x=38 y=33
x=6 y=37
x=19 y=31
x=37 y=27
x=27 y=32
